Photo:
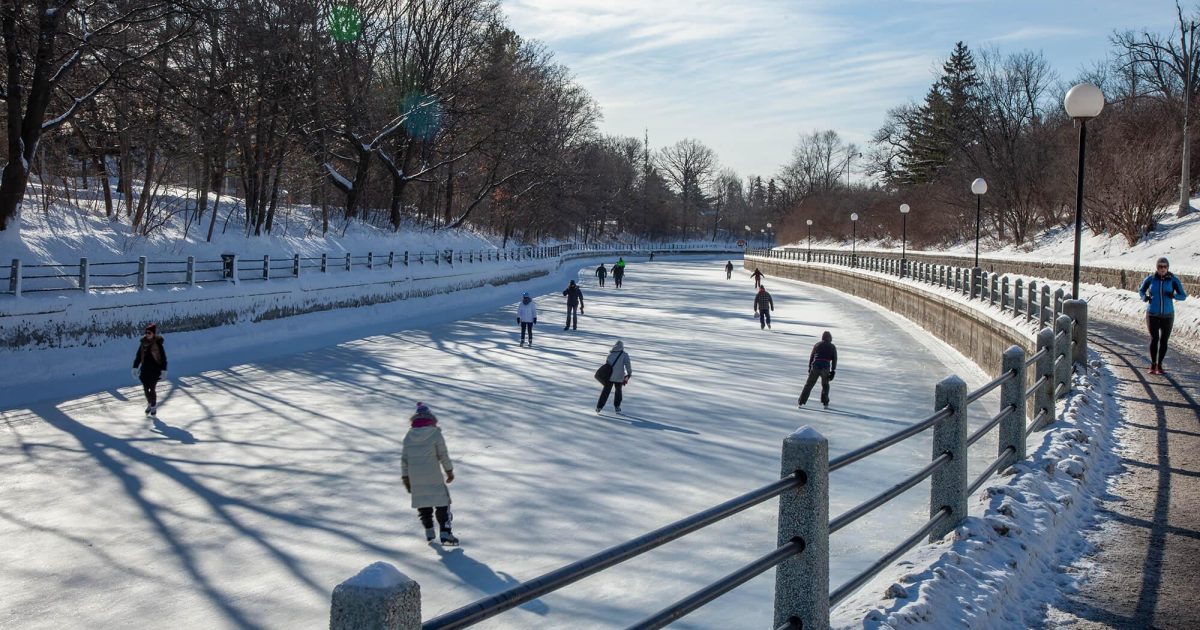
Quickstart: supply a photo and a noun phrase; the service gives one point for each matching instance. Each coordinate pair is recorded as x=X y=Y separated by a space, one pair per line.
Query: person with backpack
x=729 y=270
x=150 y=365
x=763 y=305
x=601 y=274
x=822 y=364
x=757 y=275
x=526 y=317
x=618 y=272
x=422 y=460
x=574 y=301
x=615 y=373
x=1160 y=290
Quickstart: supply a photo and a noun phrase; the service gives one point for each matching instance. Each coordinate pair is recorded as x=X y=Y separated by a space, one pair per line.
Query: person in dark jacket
x=149 y=365
x=757 y=275
x=1160 y=290
x=763 y=305
x=574 y=302
x=601 y=273
x=618 y=272
x=729 y=270
x=822 y=364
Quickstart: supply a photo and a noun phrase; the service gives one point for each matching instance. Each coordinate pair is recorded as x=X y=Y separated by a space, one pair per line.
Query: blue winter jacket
x=1162 y=293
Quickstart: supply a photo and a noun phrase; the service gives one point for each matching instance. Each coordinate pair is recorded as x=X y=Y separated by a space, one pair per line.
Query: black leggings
x=149 y=387
x=444 y=518
x=1160 y=332
x=608 y=387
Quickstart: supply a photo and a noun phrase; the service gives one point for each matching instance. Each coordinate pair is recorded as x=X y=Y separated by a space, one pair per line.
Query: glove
x=1146 y=299
x=407 y=485
x=832 y=373
x=518 y=321
x=581 y=310
x=535 y=320
x=449 y=476
x=626 y=381
x=135 y=373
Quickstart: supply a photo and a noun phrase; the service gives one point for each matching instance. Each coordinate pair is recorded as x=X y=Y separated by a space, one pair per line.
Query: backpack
x=604 y=372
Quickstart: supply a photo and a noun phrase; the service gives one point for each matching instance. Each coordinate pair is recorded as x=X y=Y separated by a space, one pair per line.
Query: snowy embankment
x=1024 y=525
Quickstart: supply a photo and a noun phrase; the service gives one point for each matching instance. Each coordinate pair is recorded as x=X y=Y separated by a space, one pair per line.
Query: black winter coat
x=824 y=356
x=574 y=296
x=148 y=357
x=763 y=302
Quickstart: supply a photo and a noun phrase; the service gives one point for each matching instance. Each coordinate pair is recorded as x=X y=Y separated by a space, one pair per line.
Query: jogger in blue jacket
x=1160 y=290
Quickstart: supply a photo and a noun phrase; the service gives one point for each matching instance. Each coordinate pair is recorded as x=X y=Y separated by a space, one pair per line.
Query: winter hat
x=761 y=288
x=825 y=336
x=572 y=283
x=423 y=417
x=617 y=347
x=151 y=328
x=525 y=294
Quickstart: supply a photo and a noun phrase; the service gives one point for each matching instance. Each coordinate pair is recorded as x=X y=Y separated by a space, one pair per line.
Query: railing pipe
x=1001 y=461
x=860 y=510
x=938 y=521
x=846 y=459
x=1005 y=376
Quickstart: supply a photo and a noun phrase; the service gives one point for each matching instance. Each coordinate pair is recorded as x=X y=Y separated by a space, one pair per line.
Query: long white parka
x=424 y=450
x=527 y=312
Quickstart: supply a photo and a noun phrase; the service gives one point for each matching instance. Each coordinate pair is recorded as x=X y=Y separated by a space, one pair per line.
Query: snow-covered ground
x=268 y=480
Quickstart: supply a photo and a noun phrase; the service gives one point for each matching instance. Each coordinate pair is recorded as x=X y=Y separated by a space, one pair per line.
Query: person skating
x=763 y=305
x=1160 y=290
x=526 y=317
x=622 y=370
x=574 y=301
x=729 y=270
x=822 y=364
x=651 y=256
x=757 y=275
x=601 y=274
x=422 y=460
x=618 y=272
x=149 y=365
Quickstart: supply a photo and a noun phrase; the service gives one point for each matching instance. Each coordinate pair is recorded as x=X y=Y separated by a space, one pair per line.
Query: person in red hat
x=149 y=365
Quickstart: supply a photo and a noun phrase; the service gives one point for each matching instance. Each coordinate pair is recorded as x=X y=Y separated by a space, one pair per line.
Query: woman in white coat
x=526 y=317
x=421 y=464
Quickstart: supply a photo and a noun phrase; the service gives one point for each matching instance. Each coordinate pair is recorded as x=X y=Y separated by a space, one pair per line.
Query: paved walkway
x=1147 y=565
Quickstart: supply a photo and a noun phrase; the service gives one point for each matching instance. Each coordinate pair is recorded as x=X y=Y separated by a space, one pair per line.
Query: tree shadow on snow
x=642 y=423
x=482 y=577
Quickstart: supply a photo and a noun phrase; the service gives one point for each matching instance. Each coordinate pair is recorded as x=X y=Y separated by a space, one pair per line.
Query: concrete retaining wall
x=1113 y=277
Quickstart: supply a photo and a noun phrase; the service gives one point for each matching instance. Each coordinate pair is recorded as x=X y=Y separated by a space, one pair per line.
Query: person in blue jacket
x=1160 y=290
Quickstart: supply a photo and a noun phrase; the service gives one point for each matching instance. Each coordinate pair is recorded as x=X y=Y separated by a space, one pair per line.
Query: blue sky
x=748 y=77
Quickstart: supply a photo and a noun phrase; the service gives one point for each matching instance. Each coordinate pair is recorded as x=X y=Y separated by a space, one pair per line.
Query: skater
x=618 y=272
x=574 y=300
x=822 y=364
x=149 y=365
x=526 y=317
x=757 y=275
x=763 y=305
x=651 y=256
x=421 y=463
x=621 y=370
x=729 y=270
x=1160 y=290
x=601 y=273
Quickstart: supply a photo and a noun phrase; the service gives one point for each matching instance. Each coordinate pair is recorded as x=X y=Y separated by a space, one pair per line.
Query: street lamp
x=850 y=156
x=904 y=238
x=763 y=236
x=1082 y=102
x=853 y=239
x=979 y=187
x=808 y=258
x=749 y=237
x=771 y=235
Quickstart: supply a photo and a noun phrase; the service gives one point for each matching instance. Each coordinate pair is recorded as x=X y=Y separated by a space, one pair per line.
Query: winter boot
x=448 y=538
x=153 y=411
x=617 y=409
x=148 y=406
x=430 y=534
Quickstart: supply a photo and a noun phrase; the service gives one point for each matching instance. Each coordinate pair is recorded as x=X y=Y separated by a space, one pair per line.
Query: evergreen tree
x=940 y=130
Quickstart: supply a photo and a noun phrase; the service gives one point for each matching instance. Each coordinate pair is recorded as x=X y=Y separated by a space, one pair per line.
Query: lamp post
x=853 y=239
x=979 y=187
x=770 y=236
x=903 y=238
x=808 y=257
x=1084 y=101
x=850 y=156
x=749 y=236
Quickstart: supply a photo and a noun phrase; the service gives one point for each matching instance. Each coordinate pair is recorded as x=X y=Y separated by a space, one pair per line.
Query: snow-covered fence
x=803 y=598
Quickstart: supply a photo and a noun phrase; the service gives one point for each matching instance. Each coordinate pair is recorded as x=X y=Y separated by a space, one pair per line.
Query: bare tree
x=689 y=165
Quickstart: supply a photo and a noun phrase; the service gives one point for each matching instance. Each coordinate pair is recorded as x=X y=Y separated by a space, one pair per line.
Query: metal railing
x=803 y=598
x=88 y=276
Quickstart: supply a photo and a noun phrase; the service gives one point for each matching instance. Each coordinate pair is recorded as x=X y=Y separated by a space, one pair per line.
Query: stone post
x=370 y=260
x=14 y=278
x=348 y=263
x=1012 y=394
x=266 y=267
x=1043 y=397
x=379 y=598
x=802 y=582
x=324 y=263
x=1077 y=310
x=85 y=278
x=975 y=273
x=1004 y=305
x=1044 y=312
x=1031 y=300
x=1018 y=293
x=191 y=271
x=296 y=265
x=1062 y=352
x=948 y=487
x=141 y=273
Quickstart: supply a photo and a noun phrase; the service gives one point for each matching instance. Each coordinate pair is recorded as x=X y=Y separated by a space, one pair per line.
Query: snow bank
x=1024 y=526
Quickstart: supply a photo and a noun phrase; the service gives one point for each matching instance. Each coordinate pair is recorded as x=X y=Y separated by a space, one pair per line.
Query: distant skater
x=757 y=275
x=601 y=274
x=422 y=461
x=729 y=270
x=149 y=365
x=618 y=272
x=1160 y=290
x=651 y=256
x=763 y=305
x=619 y=371
x=574 y=302
x=526 y=317
x=822 y=364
